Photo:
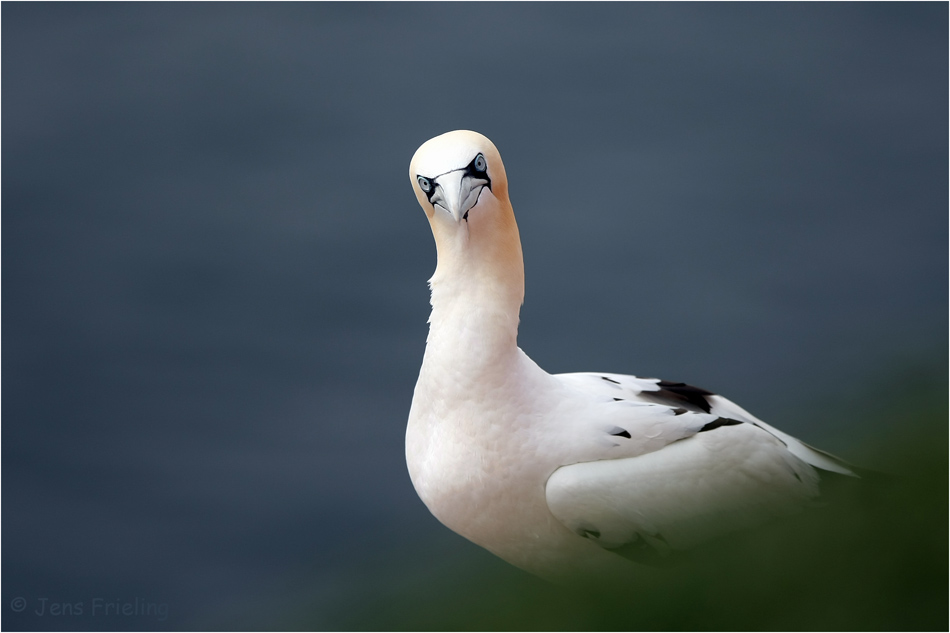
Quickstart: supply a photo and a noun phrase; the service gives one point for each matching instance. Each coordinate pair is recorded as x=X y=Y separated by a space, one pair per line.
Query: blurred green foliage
x=874 y=558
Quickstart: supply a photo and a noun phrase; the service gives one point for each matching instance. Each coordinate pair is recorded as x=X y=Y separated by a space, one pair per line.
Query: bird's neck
x=477 y=292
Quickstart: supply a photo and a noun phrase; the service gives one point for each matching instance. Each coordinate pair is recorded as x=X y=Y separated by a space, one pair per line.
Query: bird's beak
x=457 y=192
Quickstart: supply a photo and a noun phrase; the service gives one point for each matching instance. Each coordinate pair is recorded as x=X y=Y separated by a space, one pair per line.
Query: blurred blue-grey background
x=213 y=266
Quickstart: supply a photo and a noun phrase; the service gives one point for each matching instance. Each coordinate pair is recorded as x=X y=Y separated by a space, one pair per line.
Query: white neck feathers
x=477 y=288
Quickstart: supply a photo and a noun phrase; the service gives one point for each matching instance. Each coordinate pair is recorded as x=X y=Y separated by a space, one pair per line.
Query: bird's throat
x=477 y=288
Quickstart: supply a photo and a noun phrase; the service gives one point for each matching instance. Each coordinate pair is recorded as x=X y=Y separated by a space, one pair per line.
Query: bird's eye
x=480 y=164
x=424 y=184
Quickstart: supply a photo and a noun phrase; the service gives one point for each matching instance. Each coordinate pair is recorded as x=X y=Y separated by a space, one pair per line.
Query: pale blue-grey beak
x=457 y=192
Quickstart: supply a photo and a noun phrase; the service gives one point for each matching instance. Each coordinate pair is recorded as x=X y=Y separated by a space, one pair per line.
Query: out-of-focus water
x=214 y=268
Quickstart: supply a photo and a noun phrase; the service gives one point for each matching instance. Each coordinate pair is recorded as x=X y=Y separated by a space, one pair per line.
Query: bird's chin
x=447 y=214
x=471 y=200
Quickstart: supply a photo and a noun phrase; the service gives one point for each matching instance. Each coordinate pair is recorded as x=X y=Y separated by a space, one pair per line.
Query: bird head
x=460 y=182
x=457 y=174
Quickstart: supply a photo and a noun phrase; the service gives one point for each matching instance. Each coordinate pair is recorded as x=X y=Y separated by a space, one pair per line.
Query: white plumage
x=573 y=474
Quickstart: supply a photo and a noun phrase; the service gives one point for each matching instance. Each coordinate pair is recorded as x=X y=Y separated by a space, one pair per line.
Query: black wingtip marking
x=610 y=380
x=619 y=432
x=679 y=411
x=679 y=394
x=683 y=387
x=618 y=399
x=715 y=424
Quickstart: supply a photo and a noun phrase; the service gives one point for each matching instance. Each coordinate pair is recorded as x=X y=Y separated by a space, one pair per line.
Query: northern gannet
x=569 y=475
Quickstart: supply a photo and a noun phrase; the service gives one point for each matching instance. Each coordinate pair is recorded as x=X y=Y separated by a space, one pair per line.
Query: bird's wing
x=680 y=399
x=715 y=470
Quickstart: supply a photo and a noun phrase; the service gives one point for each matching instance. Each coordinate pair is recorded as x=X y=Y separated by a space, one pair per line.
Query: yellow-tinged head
x=451 y=172
x=460 y=183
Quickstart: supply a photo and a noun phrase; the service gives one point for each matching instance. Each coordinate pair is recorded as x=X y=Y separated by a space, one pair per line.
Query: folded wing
x=733 y=473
